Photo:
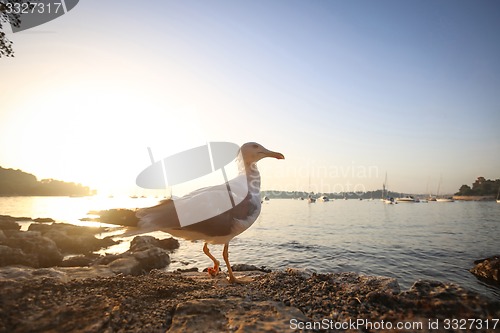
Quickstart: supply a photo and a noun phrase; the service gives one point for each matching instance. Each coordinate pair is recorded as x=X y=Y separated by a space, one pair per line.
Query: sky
x=348 y=91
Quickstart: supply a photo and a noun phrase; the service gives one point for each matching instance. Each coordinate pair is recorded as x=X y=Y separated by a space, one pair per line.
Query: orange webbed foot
x=212 y=271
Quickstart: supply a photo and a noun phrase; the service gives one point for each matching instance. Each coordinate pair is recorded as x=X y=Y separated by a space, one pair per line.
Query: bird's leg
x=225 y=255
x=215 y=270
x=232 y=278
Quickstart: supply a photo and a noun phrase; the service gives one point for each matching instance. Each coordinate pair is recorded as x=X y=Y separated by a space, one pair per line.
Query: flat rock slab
x=233 y=314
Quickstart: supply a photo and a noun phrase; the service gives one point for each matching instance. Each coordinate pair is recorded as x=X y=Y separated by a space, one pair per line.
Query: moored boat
x=407 y=199
x=323 y=198
x=390 y=201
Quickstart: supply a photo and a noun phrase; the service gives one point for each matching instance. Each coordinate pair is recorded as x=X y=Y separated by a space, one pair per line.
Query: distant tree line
x=481 y=186
x=378 y=194
x=17 y=182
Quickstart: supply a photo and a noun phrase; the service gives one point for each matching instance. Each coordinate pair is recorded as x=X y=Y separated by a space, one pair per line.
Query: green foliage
x=16 y=182
x=6 y=49
x=481 y=186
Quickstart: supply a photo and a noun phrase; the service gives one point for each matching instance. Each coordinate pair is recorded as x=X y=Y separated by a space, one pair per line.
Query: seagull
x=244 y=192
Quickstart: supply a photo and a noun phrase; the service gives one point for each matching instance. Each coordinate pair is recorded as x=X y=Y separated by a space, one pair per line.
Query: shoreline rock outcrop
x=45 y=245
x=488 y=270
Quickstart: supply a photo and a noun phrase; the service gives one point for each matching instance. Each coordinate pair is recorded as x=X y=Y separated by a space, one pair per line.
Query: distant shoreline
x=474 y=197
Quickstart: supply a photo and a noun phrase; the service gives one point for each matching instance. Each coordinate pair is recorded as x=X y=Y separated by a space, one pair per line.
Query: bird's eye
x=255 y=146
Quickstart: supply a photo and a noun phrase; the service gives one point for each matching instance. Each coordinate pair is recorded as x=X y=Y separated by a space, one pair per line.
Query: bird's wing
x=226 y=222
x=195 y=207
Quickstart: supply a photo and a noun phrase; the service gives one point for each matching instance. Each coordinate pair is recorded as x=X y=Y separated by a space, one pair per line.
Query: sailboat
x=310 y=197
x=498 y=195
x=383 y=188
x=443 y=199
x=385 y=193
x=430 y=197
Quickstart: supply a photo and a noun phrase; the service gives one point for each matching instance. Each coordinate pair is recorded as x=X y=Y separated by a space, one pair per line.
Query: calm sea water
x=432 y=240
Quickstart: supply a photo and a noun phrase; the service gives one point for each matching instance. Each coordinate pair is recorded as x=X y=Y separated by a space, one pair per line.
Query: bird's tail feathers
x=161 y=216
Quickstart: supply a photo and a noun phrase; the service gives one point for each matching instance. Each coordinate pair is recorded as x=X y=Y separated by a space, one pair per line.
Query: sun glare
x=96 y=134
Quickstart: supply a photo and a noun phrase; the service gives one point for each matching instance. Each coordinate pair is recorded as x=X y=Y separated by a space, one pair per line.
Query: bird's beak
x=269 y=153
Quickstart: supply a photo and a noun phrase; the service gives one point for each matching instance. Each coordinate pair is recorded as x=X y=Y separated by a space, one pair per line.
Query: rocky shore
x=273 y=302
x=42 y=290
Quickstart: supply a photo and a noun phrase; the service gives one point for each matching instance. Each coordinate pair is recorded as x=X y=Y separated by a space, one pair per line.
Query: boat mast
x=439 y=185
x=384 y=186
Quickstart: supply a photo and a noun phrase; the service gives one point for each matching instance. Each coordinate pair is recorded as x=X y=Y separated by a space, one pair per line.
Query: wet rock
x=77 y=261
x=437 y=299
x=247 y=268
x=125 y=217
x=23 y=218
x=14 y=218
x=78 y=244
x=44 y=220
x=487 y=269
x=152 y=258
x=140 y=262
x=68 y=229
x=140 y=243
x=38 y=251
x=143 y=256
x=8 y=223
x=73 y=239
x=7 y=218
x=126 y=266
x=13 y=256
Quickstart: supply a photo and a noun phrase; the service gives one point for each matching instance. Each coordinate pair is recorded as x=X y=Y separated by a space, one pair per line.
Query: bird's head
x=253 y=152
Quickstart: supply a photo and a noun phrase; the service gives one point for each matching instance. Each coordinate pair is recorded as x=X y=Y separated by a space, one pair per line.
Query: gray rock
x=8 y=223
x=77 y=261
x=142 y=257
x=41 y=248
x=39 y=251
x=126 y=266
x=153 y=258
x=247 y=268
x=13 y=256
x=124 y=217
x=140 y=243
x=73 y=239
x=78 y=243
